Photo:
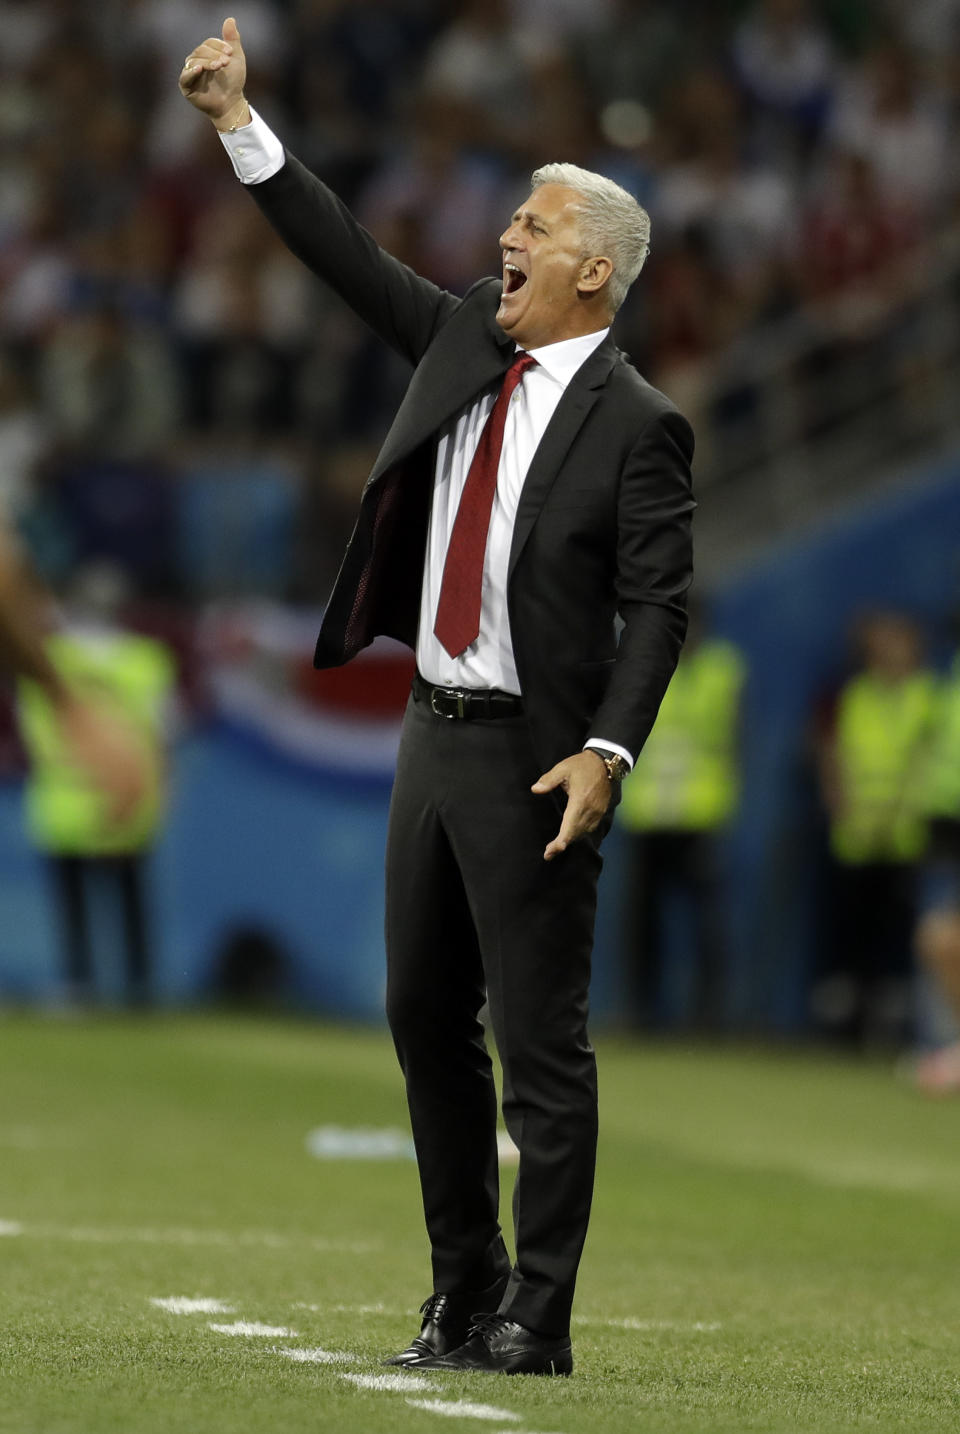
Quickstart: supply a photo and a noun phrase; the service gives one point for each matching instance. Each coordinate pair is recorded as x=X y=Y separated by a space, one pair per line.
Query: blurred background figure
x=94 y=859
x=100 y=745
x=678 y=802
x=873 y=762
x=938 y=930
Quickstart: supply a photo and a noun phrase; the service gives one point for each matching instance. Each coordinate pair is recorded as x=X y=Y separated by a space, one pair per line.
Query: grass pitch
x=774 y=1245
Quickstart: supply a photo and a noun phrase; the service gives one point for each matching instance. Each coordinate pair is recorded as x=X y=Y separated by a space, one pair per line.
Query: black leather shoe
x=447 y=1321
x=499 y=1346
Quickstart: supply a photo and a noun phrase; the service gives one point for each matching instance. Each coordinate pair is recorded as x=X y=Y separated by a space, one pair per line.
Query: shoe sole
x=561 y=1368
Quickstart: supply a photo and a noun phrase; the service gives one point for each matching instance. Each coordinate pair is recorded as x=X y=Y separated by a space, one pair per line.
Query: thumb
x=230 y=32
x=547 y=782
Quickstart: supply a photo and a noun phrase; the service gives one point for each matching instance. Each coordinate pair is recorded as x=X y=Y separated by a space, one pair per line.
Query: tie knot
x=515 y=373
x=521 y=363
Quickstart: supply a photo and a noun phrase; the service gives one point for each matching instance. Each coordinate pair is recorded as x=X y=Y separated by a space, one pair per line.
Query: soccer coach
x=532 y=489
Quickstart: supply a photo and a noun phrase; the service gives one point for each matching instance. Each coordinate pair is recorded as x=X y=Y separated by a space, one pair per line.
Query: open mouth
x=513 y=279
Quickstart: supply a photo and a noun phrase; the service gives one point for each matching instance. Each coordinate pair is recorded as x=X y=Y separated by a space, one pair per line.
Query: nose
x=508 y=237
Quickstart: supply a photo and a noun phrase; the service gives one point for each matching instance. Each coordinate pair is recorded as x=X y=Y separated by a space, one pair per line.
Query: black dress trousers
x=473 y=910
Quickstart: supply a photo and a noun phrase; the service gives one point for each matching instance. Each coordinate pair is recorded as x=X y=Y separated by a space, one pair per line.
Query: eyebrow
x=529 y=214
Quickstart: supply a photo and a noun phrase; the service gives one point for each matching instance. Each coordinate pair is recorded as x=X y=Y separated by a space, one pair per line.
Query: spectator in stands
x=933 y=26
x=872 y=760
x=681 y=797
x=742 y=212
x=494 y=65
x=785 y=63
x=852 y=244
x=36 y=264
x=884 y=113
x=634 y=53
x=245 y=316
x=109 y=387
x=22 y=438
x=444 y=196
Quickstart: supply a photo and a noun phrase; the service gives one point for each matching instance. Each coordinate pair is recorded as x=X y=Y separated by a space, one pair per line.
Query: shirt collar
x=562 y=360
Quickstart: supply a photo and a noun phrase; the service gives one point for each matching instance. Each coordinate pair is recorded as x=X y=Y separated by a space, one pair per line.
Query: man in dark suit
x=532 y=489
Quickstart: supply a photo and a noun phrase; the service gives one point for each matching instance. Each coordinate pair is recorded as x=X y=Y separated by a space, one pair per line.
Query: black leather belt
x=464 y=704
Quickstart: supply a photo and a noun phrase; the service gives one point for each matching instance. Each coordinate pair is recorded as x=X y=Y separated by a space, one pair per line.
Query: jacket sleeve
x=404 y=309
x=654 y=570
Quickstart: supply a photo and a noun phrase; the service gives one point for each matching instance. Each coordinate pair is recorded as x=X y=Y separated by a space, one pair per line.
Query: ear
x=594 y=273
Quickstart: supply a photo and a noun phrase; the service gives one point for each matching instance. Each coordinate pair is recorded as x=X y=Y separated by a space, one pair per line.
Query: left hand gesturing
x=585 y=781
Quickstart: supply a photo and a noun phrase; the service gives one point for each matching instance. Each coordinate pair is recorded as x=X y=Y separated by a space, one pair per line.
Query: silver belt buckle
x=447 y=692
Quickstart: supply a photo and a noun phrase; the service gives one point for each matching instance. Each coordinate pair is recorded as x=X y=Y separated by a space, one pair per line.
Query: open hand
x=585 y=781
x=213 y=77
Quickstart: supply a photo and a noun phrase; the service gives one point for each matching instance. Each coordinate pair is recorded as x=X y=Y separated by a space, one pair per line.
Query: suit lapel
x=459 y=365
x=581 y=394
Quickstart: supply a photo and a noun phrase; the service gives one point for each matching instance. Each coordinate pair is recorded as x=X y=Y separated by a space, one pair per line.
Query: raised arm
x=403 y=308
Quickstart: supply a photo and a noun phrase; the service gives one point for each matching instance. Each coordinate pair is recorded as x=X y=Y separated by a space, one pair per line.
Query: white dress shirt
x=489 y=661
x=256 y=155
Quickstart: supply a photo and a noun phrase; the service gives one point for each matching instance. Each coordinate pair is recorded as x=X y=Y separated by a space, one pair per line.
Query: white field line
x=250 y=1329
x=182 y=1305
x=389 y=1383
x=223 y=1239
x=376 y=1383
x=315 y=1356
x=462 y=1409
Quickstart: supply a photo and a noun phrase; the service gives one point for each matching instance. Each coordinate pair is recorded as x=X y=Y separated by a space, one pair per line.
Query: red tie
x=458 y=611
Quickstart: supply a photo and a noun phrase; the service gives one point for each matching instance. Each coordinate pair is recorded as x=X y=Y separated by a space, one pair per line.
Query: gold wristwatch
x=617 y=766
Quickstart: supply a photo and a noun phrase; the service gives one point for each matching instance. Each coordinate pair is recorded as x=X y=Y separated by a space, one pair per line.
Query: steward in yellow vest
x=873 y=770
x=72 y=821
x=884 y=730
x=687 y=777
x=683 y=791
x=124 y=673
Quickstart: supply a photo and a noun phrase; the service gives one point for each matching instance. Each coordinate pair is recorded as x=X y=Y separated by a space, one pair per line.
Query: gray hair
x=611 y=223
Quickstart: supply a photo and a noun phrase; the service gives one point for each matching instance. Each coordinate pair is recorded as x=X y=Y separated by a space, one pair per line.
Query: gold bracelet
x=234 y=127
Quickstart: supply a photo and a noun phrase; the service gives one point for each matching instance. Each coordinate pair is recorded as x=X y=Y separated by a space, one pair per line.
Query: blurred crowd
x=178 y=396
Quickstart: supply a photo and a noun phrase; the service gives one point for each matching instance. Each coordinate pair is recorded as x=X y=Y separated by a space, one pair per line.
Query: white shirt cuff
x=610 y=747
x=255 y=152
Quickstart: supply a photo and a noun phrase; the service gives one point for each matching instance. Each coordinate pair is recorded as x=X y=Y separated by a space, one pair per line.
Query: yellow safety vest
x=941 y=787
x=128 y=674
x=883 y=737
x=687 y=776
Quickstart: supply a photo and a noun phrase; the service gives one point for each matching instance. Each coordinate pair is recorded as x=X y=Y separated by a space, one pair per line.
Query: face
x=892 y=646
x=550 y=291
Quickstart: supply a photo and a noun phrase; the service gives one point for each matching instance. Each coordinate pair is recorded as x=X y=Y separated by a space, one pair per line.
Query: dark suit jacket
x=603 y=525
